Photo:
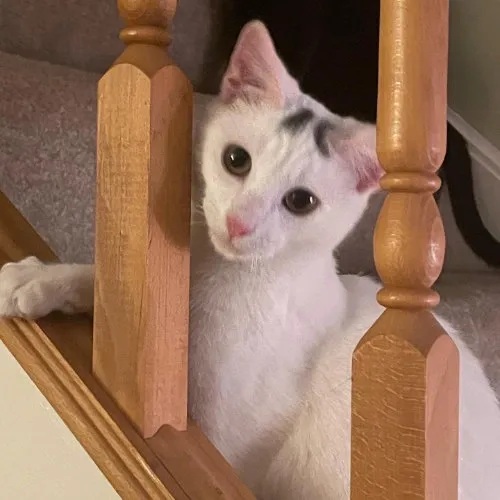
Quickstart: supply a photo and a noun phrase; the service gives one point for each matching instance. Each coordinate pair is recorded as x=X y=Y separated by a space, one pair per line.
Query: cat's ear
x=255 y=72
x=355 y=142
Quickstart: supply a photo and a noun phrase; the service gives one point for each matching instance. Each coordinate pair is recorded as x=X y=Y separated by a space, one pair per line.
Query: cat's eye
x=236 y=160
x=300 y=201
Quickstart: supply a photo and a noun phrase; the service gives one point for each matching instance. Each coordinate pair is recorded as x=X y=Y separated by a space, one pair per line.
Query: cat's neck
x=304 y=277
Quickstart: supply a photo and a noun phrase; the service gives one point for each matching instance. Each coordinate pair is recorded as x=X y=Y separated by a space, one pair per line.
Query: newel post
x=142 y=223
x=406 y=367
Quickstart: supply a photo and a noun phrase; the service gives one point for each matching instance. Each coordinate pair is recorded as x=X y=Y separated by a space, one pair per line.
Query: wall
x=474 y=96
x=474 y=71
x=40 y=458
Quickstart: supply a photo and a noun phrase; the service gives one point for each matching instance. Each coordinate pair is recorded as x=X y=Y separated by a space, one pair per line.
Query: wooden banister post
x=142 y=224
x=406 y=368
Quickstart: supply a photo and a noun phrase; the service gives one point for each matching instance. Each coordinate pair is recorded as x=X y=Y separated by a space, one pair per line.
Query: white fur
x=31 y=289
x=272 y=325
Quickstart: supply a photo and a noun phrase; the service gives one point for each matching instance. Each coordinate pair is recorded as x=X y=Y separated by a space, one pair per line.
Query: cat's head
x=280 y=171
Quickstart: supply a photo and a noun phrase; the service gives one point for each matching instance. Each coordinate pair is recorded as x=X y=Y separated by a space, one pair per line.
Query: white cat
x=273 y=326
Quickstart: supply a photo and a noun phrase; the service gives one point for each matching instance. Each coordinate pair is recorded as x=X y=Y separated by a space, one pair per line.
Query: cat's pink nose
x=236 y=228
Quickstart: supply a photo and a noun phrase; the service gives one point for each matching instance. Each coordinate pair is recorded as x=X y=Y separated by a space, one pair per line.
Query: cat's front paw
x=26 y=289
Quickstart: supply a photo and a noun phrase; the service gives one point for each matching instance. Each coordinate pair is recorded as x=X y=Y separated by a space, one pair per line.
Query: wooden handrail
x=405 y=369
x=142 y=224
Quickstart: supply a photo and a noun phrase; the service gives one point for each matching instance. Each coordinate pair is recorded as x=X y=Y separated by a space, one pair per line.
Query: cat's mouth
x=231 y=250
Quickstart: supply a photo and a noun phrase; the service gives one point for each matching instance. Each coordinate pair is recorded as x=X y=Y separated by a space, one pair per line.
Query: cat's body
x=240 y=367
x=272 y=325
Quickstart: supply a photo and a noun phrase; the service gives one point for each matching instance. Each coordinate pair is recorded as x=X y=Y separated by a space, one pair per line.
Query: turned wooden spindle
x=406 y=368
x=142 y=223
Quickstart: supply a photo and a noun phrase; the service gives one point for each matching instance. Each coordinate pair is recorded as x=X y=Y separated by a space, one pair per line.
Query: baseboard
x=486 y=172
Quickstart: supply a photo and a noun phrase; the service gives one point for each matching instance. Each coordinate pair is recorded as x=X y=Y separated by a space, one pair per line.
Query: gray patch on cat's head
x=298 y=120
x=321 y=130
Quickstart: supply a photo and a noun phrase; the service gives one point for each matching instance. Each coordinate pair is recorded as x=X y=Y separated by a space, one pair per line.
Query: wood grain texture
x=405 y=407
x=190 y=452
x=185 y=462
x=147 y=12
x=142 y=225
x=412 y=89
x=406 y=368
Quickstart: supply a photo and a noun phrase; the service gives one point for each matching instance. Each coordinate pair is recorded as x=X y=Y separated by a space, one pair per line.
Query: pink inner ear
x=369 y=174
x=356 y=143
x=255 y=72
x=244 y=76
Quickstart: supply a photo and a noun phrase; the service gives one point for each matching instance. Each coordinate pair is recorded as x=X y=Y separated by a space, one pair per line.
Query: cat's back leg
x=32 y=289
